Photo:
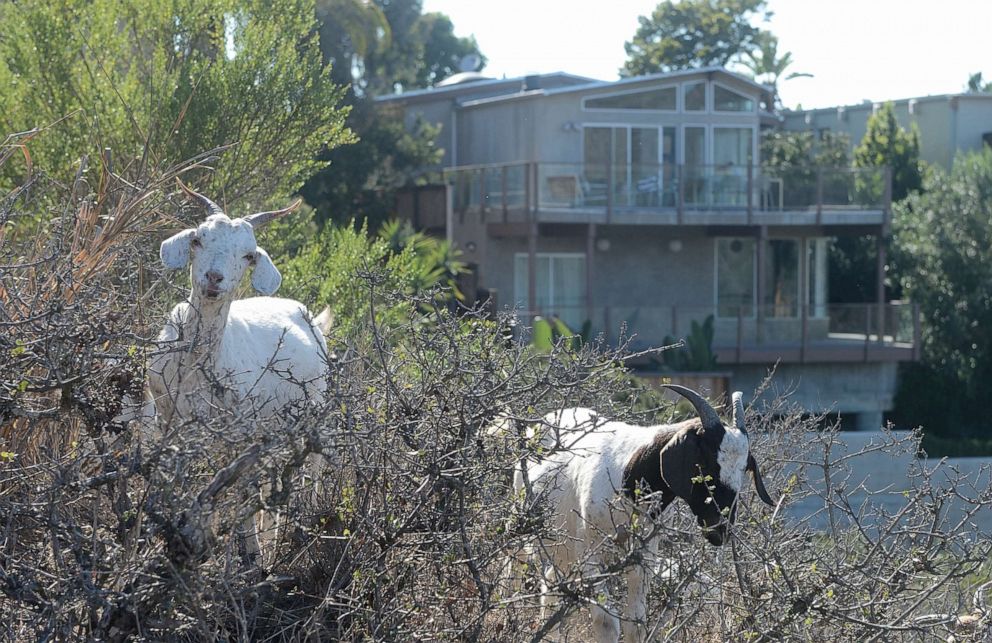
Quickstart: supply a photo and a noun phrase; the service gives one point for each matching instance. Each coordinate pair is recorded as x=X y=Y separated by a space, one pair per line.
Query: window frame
x=675 y=86
x=752 y=98
x=716 y=277
x=707 y=99
x=520 y=299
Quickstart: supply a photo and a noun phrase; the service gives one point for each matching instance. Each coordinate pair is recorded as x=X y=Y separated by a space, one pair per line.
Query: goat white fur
x=588 y=482
x=252 y=356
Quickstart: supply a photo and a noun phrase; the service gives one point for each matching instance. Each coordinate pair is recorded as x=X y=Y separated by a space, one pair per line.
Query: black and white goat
x=590 y=482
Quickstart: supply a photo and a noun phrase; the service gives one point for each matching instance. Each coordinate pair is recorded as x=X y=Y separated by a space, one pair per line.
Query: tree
x=327 y=269
x=159 y=83
x=349 y=30
x=943 y=258
x=795 y=157
x=976 y=84
x=420 y=50
x=768 y=67
x=693 y=33
x=885 y=143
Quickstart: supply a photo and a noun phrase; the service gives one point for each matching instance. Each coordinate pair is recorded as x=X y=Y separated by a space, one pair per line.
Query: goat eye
x=250 y=256
x=195 y=243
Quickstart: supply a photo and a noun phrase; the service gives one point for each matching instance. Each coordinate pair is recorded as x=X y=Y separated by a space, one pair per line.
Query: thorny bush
x=114 y=530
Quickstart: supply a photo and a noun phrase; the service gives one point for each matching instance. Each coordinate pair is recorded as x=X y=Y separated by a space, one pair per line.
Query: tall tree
x=768 y=67
x=159 y=83
x=977 y=85
x=885 y=143
x=943 y=257
x=693 y=33
x=420 y=50
x=349 y=30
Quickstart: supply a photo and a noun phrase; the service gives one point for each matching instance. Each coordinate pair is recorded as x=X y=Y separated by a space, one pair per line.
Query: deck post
x=750 y=193
x=740 y=332
x=805 y=331
x=881 y=258
x=609 y=186
x=761 y=242
x=917 y=333
x=590 y=267
x=680 y=188
x=819 y=195
x=531 y=256
x=502 y=189
x=867 y=330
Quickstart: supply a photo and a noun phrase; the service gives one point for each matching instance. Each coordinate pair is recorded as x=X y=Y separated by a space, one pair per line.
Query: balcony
x=765 y=334
x=541 y=192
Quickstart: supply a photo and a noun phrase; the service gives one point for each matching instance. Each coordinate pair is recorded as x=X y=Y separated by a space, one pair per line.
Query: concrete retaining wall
x=884 y=475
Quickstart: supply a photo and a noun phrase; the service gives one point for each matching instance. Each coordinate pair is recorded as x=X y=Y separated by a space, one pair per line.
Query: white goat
x=252 y=356
x=590 y=481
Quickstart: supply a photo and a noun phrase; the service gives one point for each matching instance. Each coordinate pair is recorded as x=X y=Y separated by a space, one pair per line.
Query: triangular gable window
x=725 y=100
x=657 y=99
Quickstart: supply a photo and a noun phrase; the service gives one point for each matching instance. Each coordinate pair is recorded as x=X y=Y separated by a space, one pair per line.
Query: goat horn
x=211 y=207
x=738 y=411
x=706 y=413
x=261 y=218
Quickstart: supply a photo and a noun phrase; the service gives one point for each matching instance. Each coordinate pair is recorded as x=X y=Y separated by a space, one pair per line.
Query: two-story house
x=642 y=205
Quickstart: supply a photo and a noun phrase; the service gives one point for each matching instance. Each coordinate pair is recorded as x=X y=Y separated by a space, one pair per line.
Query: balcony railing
x=827 y=333
x=509 y=189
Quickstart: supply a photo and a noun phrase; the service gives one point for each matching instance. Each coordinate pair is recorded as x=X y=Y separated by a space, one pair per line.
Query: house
x=947 y=124
x=642 y=206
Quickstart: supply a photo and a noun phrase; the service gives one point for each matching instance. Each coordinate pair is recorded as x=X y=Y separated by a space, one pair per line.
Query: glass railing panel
x=564 y=185
x=516 y=185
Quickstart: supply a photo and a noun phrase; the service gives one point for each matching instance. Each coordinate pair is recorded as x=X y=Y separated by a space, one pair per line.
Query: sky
x=857 y=50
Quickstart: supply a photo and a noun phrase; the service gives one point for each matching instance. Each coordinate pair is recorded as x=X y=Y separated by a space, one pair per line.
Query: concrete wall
x=881 y=477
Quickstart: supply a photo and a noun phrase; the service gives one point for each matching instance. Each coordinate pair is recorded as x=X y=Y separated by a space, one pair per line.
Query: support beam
x=881 y=260
x=804 y=296
x=590 y=268
x=759 y=291
x=532 y=268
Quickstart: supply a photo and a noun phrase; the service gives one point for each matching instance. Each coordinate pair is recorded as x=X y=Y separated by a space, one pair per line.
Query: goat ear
x=759 y=484
x=265 y=278
x=678 y=464
x=175 y=250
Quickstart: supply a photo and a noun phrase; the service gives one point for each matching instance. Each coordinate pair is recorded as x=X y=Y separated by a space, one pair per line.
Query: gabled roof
x=623 y=82
x=486 y=84
x=669 y=75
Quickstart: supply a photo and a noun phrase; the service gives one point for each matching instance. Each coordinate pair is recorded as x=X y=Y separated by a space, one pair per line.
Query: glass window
x=560 y=285
x=695 y=146
x=645 y=177
x=725 y=100
x=732 y=145
x=782 y=278
x=735 y=277
x=695 y=97
x=695 y=183
x=596 y=158
x=662 y=98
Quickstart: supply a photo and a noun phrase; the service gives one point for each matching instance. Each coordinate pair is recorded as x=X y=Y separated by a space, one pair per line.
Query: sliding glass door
x=628 y=160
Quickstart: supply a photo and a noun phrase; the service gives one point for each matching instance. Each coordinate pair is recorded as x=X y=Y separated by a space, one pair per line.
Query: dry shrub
x=406 y=534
